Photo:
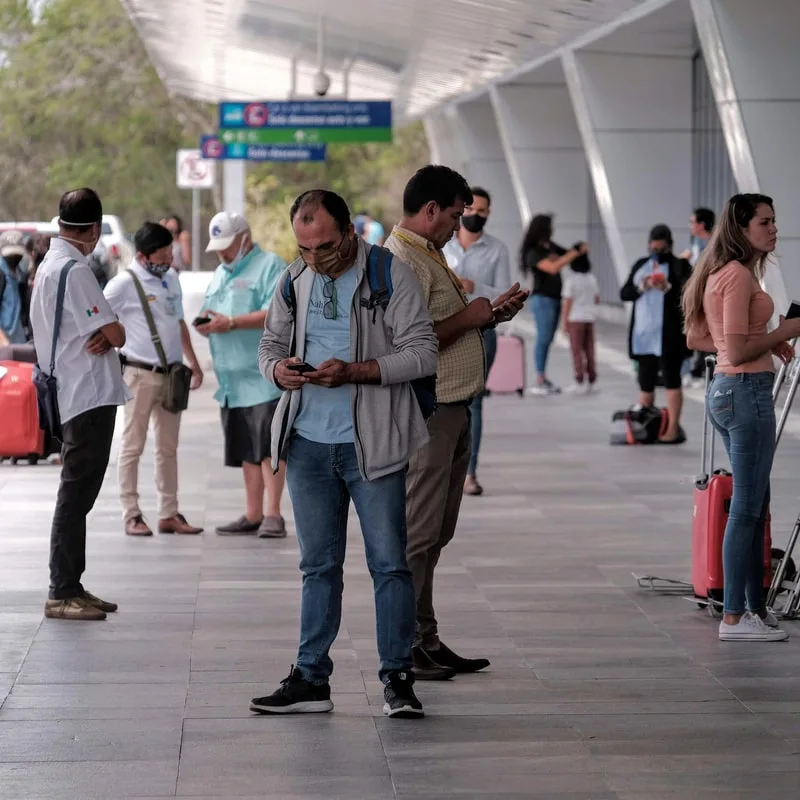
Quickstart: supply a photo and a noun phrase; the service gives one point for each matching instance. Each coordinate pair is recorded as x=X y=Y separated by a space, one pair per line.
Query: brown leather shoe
x=73 y=608
x=103 y=605
x=177 y=524
x=136 y=526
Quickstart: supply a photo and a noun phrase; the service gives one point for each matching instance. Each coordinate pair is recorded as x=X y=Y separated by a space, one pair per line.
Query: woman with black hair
x=545 y=260
x=655 y=339
x=181 y=243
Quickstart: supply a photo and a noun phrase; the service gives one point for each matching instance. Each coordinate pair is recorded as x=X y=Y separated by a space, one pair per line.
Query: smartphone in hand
x=201 y=321
x=794 y=311
x=301 y=368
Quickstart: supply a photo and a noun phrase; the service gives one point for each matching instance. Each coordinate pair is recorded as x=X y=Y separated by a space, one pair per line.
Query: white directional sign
x=194 y=171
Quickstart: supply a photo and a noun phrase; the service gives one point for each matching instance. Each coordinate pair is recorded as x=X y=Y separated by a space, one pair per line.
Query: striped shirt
x=460 y=374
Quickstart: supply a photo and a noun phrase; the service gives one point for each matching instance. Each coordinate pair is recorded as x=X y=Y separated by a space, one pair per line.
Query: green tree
x=81 y=104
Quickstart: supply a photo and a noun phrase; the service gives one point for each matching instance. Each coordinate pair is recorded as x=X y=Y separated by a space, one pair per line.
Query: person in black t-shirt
x=544 y=259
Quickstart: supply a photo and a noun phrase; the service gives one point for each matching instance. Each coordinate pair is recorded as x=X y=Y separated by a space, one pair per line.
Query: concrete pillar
x=486 y=166
x=634 y=112
x=233 y=186
x=545 y=155
x=753 y=63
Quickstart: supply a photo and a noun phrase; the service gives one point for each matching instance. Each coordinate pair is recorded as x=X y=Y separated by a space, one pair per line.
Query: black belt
x=127 y=362
x=457 y=404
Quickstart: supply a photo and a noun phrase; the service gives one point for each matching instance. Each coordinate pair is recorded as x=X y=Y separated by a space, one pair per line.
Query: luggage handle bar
x=706 y=462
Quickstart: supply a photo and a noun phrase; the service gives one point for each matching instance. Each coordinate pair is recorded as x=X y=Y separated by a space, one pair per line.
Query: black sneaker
x=400 y=699
x=296 y=696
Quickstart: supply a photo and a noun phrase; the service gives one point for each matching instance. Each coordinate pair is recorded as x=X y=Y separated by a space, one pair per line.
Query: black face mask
x=473 y=223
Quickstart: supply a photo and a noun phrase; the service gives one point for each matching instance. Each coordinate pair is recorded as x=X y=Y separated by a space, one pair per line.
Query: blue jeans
x=546 y=313
x=322 y=479
x=476 y=407
x=740 y=407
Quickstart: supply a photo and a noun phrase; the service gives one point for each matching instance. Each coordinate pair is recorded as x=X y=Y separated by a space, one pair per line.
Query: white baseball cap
x=223 y=229
x=12 y=243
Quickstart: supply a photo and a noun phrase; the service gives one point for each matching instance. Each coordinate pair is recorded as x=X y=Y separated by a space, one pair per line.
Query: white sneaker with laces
x=771 y=621
x=750 y=628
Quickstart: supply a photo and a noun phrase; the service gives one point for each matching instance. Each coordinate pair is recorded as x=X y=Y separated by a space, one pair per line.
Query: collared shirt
x=486 y=263
x=11 y=305
x=165 y=300
x=460 y=372
x=248 y=287
x=85 y=381
x=326 y=415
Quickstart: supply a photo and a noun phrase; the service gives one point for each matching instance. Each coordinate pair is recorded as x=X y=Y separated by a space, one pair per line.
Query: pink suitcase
x=508 y=371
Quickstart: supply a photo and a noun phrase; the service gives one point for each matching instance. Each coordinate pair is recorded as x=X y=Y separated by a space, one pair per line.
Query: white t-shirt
x=166 y=304
x=85 y=381
x=582 y=289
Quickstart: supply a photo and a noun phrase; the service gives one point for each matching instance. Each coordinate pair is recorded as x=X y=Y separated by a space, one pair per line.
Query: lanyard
x=434 y=255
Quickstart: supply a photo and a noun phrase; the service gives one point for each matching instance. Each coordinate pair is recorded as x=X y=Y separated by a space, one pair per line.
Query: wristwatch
x=231 y=323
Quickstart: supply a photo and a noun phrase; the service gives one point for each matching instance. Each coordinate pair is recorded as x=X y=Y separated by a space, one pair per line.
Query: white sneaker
x=577 y=388
x=771 y=621
x=750 y=629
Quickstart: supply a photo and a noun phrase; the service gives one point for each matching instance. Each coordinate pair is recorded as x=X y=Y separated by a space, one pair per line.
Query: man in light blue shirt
x=482 y=263
x=373 y=230
x=12 y=250
x=236 y=306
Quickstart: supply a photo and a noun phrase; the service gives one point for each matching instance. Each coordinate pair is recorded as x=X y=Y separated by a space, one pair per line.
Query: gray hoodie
x=387 y=421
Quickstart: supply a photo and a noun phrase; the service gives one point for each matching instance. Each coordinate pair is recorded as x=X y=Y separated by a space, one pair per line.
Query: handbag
x=47 y=385
x=179 y=376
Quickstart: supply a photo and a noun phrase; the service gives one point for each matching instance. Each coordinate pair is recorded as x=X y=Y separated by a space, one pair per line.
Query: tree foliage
x=82 y=105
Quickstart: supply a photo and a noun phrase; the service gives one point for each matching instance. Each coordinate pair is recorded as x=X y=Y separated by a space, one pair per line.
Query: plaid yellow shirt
x=460 y=374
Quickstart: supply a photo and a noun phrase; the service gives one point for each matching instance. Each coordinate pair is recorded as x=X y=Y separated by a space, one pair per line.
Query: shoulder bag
x=179 y=376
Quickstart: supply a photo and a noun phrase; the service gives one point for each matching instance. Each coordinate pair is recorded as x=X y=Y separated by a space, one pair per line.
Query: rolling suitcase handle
x=706 y=448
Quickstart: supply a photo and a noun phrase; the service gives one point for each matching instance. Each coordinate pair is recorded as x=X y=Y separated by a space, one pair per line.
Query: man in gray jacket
x=348 y=421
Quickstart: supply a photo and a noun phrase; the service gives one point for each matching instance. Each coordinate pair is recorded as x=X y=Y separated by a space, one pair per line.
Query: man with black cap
x=145 y=375
x=90 y=387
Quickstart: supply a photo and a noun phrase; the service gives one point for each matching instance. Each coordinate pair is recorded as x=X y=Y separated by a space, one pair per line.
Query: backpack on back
x=379 y=276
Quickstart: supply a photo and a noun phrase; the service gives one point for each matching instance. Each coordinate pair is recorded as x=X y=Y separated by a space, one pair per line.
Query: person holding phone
x=727 y=312
x=349 y=425
x=232 y=318
x=656 y=340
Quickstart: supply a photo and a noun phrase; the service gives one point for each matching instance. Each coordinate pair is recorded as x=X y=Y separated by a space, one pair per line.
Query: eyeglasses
x=329 y=310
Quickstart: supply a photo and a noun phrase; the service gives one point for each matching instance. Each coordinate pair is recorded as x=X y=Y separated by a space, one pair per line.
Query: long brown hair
x=727 y=243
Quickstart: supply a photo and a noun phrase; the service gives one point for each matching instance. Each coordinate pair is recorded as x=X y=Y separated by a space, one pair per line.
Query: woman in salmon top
x=727 y=313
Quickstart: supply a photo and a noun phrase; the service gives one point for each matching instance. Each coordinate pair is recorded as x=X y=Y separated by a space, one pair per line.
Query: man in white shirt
x=481 y=261
x=146 y=377
x=90 y=387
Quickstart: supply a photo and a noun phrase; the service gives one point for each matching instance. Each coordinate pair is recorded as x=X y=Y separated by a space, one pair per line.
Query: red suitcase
x=20 y=434
x=508 y=370
x=713 y=490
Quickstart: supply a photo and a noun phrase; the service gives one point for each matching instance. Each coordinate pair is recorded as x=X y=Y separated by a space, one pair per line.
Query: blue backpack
x=379 y=275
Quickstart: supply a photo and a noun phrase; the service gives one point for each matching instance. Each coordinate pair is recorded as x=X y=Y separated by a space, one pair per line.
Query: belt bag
x=178 y=376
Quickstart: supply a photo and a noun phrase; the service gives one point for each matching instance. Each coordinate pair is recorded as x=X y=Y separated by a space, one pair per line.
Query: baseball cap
x=12 y=243
x=223 y=229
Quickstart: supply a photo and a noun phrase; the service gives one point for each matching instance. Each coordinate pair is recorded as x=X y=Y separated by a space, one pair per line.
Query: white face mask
x=81 y=245
x=231 y=265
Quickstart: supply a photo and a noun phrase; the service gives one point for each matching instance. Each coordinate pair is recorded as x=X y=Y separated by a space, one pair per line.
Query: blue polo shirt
x=248 y=287
x=11 y=306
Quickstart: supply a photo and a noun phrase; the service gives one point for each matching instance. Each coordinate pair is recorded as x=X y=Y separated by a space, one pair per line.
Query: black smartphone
x=794 y=311
x=201 y=321
x=301 y=368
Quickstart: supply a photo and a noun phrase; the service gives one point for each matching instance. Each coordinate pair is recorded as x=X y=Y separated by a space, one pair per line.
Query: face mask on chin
x=231 y=265
x=473 y=223
x=334 y=262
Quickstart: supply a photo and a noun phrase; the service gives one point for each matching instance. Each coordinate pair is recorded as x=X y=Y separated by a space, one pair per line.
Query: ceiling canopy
x=416 y=52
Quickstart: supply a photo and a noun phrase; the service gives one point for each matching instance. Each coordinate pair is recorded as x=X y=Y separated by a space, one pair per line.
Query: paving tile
x=597 y=690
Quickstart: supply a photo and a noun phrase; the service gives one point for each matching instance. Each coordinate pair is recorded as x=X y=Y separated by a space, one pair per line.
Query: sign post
x=195 y=173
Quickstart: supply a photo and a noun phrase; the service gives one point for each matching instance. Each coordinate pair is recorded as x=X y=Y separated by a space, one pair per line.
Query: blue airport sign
x=305 y=114
x=213 y=147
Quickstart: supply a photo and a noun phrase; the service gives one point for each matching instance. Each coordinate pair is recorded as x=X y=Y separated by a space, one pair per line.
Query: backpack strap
x=2 y=283
x=288 y=293
x=379 y=276
x=60 y=292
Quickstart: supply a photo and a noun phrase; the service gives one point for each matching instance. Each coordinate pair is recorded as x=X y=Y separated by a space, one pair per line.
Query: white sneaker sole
x=772 y=635
x=405 y=712
x=309 y=707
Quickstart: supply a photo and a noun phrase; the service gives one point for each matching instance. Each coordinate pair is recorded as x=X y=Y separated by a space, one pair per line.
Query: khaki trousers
x=148 y=390
x=434 y=487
